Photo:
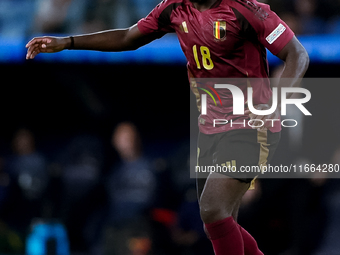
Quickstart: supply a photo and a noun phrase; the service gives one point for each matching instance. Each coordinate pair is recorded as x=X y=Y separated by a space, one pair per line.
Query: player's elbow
x=300 y=53
x=298 y=56
x=133 y=38
x=303 y=58
x=303 y=55
x=294 y=54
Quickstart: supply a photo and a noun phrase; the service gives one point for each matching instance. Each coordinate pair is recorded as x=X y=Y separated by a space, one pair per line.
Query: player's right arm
x=110 y=40
x=154 y=26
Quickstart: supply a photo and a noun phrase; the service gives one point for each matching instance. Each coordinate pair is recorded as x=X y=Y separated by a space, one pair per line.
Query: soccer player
x=220 y=38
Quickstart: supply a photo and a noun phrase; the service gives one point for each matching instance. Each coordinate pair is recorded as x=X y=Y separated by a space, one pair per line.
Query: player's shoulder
x=171 y=2
x=250 y=8
x=167 y=6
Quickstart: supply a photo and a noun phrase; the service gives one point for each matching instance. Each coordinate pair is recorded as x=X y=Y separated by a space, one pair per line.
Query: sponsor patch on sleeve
x=276 y=34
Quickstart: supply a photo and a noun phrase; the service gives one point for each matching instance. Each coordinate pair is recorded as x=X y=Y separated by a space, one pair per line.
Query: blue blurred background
x=93 y=159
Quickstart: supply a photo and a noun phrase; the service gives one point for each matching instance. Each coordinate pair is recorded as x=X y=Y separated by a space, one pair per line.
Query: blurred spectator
x=176 y=202
x=4 y=183
x=10 y=241
x=291 y=213
x=188 y=234
x=81 y=165
x=107 y=14
x=308 y=17
x=130 y=187
x=100 y=16
x=60 y=16
x=16 y=17
x=307 y=215
x=80 y=172
x=28 y=166
x=50 y=16
x=330 y=242
x=23 y=181
x=143 y=7
x=83 y=16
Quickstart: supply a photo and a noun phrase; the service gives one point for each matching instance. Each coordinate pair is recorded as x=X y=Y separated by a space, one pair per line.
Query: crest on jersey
x=220 y=29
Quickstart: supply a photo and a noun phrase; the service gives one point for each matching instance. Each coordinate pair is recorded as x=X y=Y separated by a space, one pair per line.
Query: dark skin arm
x=110 y=40
x=296 y=61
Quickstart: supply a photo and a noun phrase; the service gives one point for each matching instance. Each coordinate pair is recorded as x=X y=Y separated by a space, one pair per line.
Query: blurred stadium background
x=94 y=160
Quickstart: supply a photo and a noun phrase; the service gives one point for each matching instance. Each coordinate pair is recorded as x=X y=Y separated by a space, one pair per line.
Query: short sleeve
x=272 y=32
x=275 y=33
x=158 y=20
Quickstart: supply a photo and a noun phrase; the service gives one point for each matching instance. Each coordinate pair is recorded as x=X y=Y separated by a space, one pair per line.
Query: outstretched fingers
x=36 y=45
x=32 y=51
x=38 y=40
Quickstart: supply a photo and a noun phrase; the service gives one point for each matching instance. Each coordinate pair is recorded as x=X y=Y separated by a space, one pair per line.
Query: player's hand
x=46 y=44
x=255 y=119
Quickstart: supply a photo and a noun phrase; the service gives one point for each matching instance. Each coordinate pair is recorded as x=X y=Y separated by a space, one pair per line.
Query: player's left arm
x=279 y=39
x=296 y=62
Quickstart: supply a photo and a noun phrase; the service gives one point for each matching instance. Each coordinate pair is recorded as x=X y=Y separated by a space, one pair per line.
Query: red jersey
x=229 y=40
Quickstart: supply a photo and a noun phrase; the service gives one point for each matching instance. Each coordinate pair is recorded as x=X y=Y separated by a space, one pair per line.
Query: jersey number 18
x=206 y=58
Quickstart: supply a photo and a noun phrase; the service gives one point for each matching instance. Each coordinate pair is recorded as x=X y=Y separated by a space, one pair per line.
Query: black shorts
x=233 y=153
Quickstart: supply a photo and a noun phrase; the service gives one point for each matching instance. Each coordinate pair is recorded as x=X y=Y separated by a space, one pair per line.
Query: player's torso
x=213 y=43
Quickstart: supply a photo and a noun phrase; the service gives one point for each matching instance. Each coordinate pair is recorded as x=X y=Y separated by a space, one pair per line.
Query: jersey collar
x=215 y=5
